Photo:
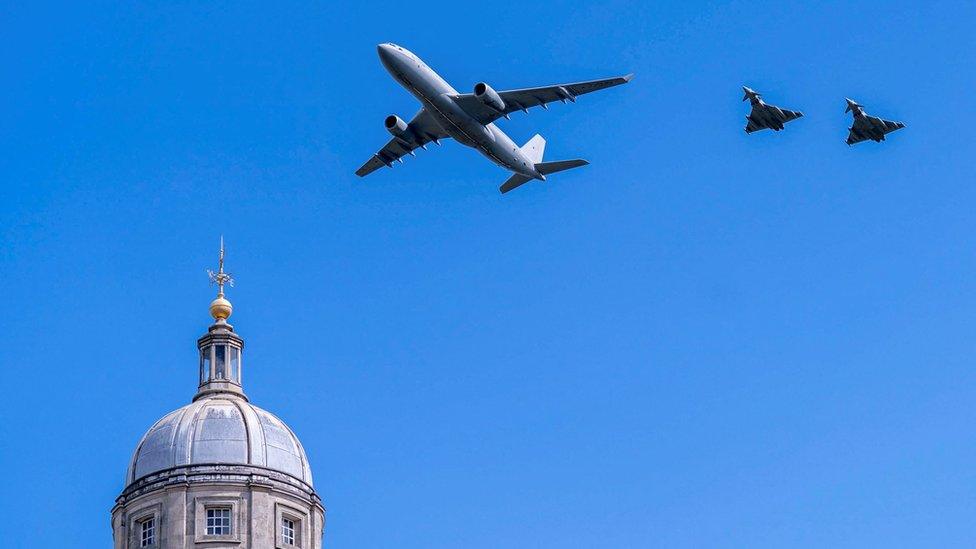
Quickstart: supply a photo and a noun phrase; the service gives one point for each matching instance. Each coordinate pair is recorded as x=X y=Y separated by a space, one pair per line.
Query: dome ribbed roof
x=220 y=429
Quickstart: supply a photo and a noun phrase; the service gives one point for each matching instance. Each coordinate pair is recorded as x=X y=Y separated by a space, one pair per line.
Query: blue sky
x=704 y=339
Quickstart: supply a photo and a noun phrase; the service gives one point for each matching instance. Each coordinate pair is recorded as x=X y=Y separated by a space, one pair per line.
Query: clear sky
x=703 y=339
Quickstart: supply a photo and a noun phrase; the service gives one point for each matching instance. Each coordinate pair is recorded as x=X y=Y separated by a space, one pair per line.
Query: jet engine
x=488 y=96
x=395 y=125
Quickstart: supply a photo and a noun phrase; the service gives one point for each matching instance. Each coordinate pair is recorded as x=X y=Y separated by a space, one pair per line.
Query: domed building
x=219 y=472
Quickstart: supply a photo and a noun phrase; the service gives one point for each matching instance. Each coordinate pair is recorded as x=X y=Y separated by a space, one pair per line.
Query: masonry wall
x=258 y=500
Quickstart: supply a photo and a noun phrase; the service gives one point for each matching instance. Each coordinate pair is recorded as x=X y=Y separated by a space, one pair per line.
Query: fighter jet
x=868 y=127
x=766 y=116
x=469 y=117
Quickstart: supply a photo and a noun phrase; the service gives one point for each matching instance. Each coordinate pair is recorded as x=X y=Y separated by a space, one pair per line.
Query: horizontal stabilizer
x=516 y=180
x=546 y=168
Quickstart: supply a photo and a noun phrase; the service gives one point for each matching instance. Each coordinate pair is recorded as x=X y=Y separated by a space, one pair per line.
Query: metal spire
x=220 y=277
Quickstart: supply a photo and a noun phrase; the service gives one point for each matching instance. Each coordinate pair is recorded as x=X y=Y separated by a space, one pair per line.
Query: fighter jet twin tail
x=865 y=126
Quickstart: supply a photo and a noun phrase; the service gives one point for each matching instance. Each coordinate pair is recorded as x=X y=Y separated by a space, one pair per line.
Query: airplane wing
x=886 y=126
x=890 y=126
x=421 y=130
x=523 y=99
x=855 y=137
x=790 y=115
x=751 y=126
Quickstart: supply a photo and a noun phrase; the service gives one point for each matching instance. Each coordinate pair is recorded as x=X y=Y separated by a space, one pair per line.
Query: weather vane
x=220 y=277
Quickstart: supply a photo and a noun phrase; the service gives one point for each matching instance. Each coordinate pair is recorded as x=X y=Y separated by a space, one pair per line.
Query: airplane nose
x=385 y=52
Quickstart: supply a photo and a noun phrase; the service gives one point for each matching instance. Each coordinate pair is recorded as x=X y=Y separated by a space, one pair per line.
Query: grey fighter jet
x=866 y=126
x=766 y=116
x=469 y=117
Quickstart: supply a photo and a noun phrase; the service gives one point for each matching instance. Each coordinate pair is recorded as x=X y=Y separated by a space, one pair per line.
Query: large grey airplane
x=469 y=117
x=866 y=126
x=765 y=116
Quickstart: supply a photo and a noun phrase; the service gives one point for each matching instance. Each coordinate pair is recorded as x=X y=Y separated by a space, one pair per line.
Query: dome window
x=291 y=530
x=287 y=531
x=205 y=361
x=235 y=364
x=220 y=362
x=147 y=532
x=218 y=521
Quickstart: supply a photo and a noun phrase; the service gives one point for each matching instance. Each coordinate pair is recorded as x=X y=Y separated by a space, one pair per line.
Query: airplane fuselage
x=868 y=127
x=435 y=94
x=766 y=115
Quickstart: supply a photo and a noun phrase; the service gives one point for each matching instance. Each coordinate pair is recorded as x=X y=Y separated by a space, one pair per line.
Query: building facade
x=219 y=472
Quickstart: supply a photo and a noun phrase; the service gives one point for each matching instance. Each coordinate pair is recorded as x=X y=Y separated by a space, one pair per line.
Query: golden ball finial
x=220 y=308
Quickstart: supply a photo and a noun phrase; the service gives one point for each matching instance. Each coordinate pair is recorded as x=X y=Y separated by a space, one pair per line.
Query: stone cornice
x=220 y=474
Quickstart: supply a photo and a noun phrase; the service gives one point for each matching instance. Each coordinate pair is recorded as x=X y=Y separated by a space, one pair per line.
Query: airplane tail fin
x=534 y=148
x=749 y=93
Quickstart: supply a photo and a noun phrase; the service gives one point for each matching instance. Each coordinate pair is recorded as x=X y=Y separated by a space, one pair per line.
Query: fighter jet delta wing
x=764 y=115
x=856 y=136
x=770 y=117
x=889 y=126
x=874 y=129
x=790 y=115
x=421 y=130
x=486 y=105
x=867 y=127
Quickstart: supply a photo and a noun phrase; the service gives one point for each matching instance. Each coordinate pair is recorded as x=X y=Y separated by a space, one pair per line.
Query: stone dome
x=219 y=428
x=218 y=472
